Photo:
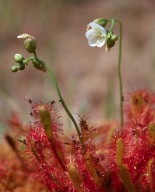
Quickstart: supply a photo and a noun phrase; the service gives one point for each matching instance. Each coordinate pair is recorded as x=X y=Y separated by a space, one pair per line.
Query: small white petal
x=98 y=27
x=92 y=37
x=101 y=42
x=92 y=42
x=88 y=34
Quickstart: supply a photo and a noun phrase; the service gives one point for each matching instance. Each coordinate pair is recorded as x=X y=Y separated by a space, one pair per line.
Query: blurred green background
x=87 y=76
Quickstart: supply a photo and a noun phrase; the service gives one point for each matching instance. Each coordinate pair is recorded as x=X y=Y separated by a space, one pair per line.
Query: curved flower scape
x=96 y=35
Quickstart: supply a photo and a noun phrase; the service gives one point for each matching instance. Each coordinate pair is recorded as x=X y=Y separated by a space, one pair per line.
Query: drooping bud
x=101 y=21
x=14 y=68
x=29 y=42
x=110 y=40
x=18 y=58
x=39 y=64
x=119 y=151
x=110 y=43
x=125 y=177
x=74 y=176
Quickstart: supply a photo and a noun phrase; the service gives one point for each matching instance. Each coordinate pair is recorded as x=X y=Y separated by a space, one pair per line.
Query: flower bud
x=18 y=58
x=114 y=37
x=39 y=64
x=20 y=66
x=14 y=68
x=101 y=21
x=110 y=43
x=29 y=42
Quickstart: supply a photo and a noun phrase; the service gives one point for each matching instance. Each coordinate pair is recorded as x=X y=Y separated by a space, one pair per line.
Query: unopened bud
x=29 y=43
x=14 y=68
x=39 y=64
x=21 y=66
x=101 y=21
x=110 y=43
x=114 y=37
x=18 y=58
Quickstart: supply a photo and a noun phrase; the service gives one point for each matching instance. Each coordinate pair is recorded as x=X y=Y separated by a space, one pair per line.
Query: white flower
x=96 y=35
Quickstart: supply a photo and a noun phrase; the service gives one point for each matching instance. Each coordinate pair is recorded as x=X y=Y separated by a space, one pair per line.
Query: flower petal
x=92 y=36
x=88 y=34
x=98 y=27
x=101 y=42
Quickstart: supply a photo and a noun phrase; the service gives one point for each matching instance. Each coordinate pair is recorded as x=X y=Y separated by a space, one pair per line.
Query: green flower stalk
x=119 y=73
x=98 y=36
x=30 y=45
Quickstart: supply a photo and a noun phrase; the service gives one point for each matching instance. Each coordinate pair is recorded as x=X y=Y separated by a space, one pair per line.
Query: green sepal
x=101 y=21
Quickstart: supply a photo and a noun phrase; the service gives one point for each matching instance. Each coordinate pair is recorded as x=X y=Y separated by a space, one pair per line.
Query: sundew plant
x=116 y=157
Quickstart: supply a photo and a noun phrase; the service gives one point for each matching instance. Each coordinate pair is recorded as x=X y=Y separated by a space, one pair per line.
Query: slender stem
x=120 y=75
x=119 y=68
x=112 y=24
x=51 y=74
x=26 y=61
